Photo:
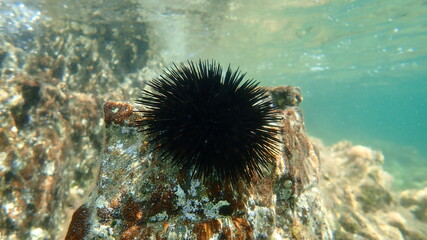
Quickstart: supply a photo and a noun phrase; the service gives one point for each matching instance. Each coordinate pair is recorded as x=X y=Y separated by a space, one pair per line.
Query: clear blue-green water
x=361 y=65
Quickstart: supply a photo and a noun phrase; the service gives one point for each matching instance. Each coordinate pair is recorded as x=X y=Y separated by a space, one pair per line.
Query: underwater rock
x=20 y=24
x=285 y=96
x=49 y=139
x=56 y=71
x=89 y=56
x=358 y=196
x=140 y=197
x=416 y=202
x=54 y=75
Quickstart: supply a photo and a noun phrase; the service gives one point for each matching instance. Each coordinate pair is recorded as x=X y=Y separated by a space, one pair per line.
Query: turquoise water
x=361 y=65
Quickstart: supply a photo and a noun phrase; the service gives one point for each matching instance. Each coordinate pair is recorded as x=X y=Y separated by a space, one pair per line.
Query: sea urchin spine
x=219 y=127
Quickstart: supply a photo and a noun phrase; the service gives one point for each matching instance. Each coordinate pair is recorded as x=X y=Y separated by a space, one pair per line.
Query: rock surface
x=139 y=197
x=54 y=77
x=358 y=195
x=49 y=140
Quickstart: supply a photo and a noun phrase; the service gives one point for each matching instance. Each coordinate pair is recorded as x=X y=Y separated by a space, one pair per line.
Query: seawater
x=361 y=65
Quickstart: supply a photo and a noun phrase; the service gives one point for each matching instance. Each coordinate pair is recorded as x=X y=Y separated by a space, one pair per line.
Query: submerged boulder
x=139 y=197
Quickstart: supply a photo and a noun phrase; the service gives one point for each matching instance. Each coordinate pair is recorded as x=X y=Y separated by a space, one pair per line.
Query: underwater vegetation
x=214 y=125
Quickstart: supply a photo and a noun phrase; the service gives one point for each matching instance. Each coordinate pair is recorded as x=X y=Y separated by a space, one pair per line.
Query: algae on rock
x=139 y=196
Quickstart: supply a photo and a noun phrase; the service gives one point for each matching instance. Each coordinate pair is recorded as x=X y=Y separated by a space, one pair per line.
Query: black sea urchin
x=218 y=127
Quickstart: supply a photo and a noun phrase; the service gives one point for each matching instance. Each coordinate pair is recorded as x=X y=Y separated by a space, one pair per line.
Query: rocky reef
x=54 y=79
x=361 y=203
x=72 y=165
